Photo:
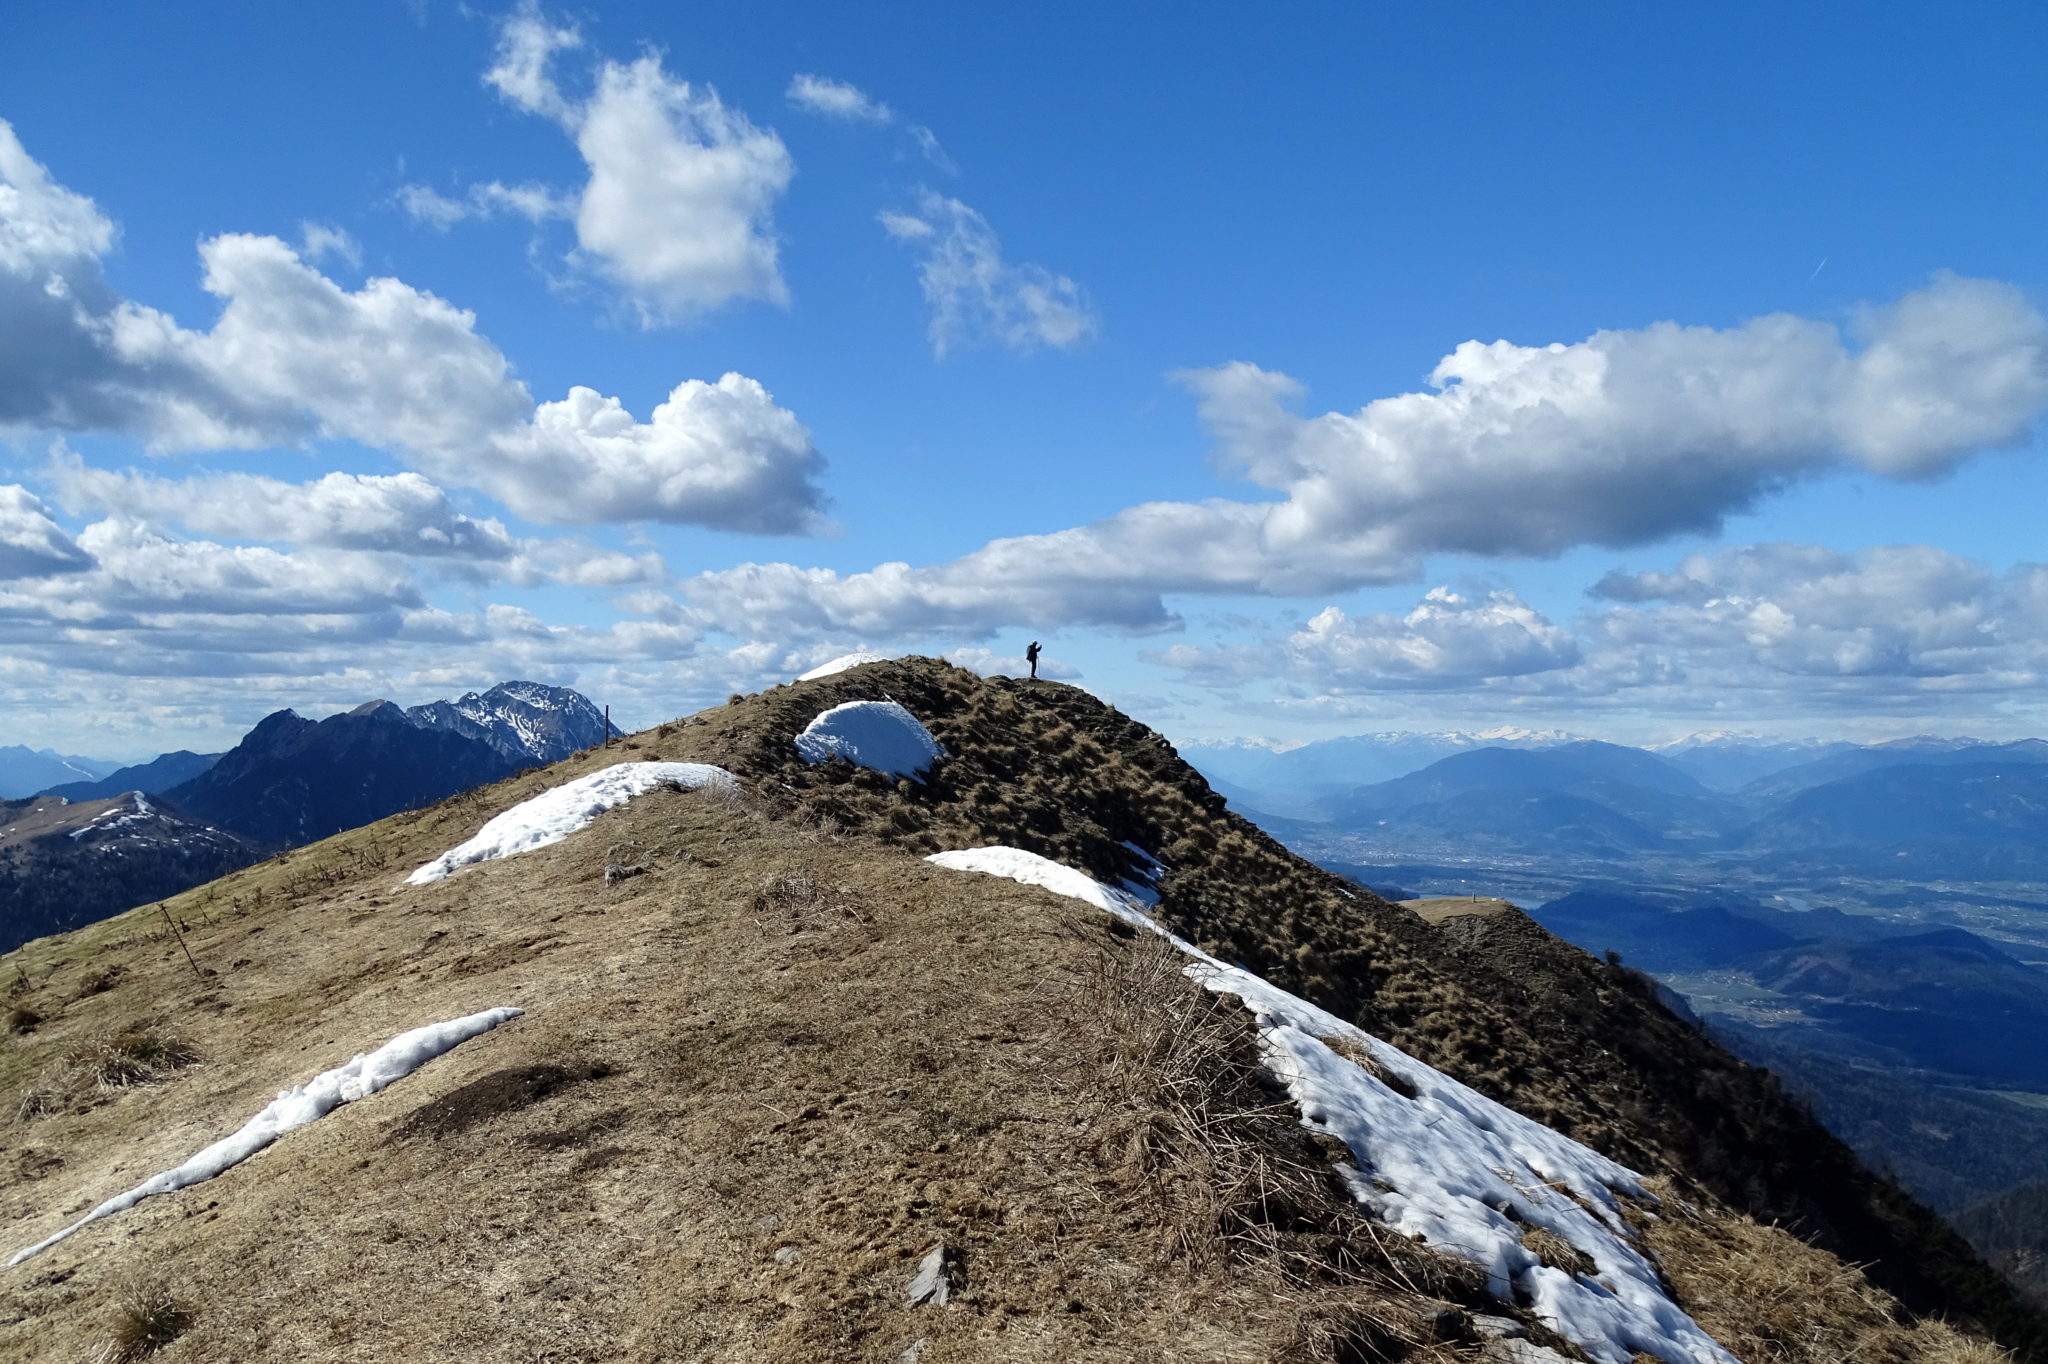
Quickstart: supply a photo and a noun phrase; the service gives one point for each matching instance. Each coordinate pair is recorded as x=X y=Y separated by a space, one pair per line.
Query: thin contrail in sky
x=1817 y=269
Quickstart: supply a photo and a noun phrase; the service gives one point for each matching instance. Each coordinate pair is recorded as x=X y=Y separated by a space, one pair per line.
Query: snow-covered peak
x=1732 y=738
x=1515 y=734
x=877 y=734
x=538 y=695
x=528 y=722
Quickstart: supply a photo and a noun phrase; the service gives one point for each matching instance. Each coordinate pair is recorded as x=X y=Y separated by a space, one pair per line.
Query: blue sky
x=1140 y=332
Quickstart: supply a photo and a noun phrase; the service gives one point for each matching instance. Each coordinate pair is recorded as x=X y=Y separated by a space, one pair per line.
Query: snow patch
x=136 y=810
x=877 y=734
x=295 y=1107
x=1449 y=1166
x=1034 y=870
x=840 y=665
x=553 y=815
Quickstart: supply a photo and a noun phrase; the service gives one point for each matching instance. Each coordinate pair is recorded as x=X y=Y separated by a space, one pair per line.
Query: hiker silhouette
x=1031 y=657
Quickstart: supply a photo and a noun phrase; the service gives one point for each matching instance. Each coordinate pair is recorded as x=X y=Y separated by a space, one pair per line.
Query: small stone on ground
x=930 y=1285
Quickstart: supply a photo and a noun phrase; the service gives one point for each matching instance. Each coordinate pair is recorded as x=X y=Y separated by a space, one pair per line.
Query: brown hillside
x=758 y=1082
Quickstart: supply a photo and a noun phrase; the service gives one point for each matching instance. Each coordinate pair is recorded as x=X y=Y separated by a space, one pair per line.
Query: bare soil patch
x=484 y=1098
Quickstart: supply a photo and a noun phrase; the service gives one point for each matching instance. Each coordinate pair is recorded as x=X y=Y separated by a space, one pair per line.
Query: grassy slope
x=1516 y=1013
x=788 y=1035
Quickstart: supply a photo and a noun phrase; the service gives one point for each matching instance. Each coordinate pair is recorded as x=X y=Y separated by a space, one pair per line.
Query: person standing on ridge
x=1031 y=657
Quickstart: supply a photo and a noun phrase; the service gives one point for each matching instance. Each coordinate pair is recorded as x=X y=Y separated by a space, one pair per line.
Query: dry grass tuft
x=143 y=1055
x=99 y=982
x=793 y=900
x=22 y=1019
x=1363 y=1058
x=146 y=1319
x=1773 y=1299
x=1558 y=1253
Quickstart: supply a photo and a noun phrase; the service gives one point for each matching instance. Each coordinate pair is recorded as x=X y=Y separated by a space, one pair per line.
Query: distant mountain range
x=1920 y=752
x=1726 y=762
x=154 y=777
x=294 y=780
x=1952 y=817
x=88 y=848
x=25 y=771
x=1917 y=807
x=1701 y=863
x=1292 y=782
x=1902 y=995
x=1588 y=796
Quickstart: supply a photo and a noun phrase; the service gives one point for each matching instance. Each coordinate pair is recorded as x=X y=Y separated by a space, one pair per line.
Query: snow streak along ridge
x=553 y=815
x=295 y=1107
x=1445 y=1165
x=840 y=665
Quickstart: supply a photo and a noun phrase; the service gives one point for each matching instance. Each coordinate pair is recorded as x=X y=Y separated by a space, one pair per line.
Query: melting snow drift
x=296 y=1107
x=1449 y=1165
x=877 y=734
x=553 y=815
x=841 y=664
x=1034 y=870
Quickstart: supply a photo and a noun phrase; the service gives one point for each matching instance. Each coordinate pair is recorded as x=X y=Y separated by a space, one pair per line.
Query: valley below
x=1871 y=923
x=1897 y=1008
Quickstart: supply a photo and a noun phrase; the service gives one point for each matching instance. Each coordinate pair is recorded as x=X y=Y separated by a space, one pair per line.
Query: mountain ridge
x=292 y=780
x=775 y=1003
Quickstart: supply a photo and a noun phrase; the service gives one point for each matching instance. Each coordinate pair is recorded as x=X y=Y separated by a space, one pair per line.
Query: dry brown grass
x=777 y=1038
x=1210 y=1166
x=1773 y=1299
x=146 y=1318
x=106 y=1064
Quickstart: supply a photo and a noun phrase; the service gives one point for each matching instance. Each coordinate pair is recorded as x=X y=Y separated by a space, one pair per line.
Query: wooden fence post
x=164 y=910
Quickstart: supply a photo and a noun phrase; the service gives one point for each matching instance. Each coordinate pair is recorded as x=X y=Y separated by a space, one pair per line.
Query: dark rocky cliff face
x=293 y=780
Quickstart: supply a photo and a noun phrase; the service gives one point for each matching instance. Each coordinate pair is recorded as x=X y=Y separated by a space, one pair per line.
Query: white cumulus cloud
x=535 y=203
x=320 y=240
x=1628 y=436
x=399 y=513
x=31 y=543
x=1520 y=451
x=1753 y=633
x=976 y=296
x=836 y=99
x=1447 y=641
x=295 y=357
x=678 y=212
x=725 y=451
x=1810 y=612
